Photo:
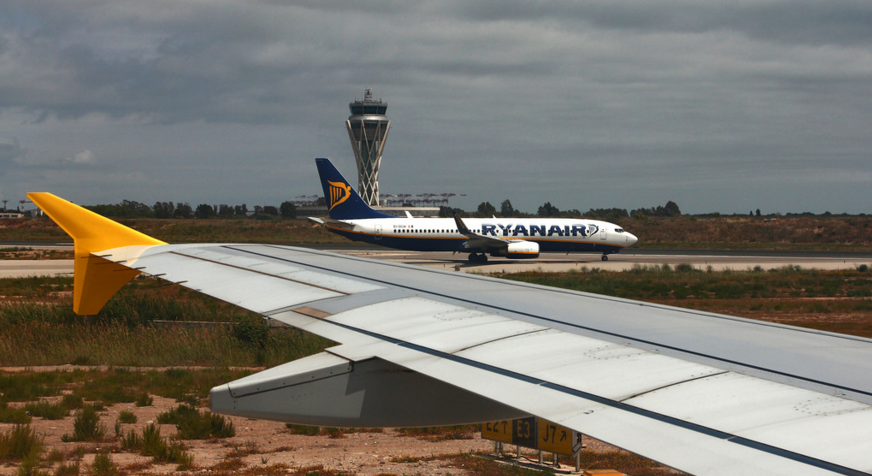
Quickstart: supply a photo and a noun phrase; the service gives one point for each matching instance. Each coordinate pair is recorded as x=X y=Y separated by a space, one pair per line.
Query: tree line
x=486 y=210
x=182 y=210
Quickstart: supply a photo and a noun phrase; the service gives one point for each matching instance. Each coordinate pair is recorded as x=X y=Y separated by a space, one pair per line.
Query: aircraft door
x=604 y=233
x=378 y=232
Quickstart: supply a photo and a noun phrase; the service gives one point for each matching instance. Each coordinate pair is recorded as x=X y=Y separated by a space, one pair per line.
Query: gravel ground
x=264 y=443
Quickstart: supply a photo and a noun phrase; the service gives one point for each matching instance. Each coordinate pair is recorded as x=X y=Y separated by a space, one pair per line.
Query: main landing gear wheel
x=477 y=258
x=605 y=257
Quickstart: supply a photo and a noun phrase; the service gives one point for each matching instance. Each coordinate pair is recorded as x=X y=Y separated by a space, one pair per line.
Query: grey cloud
x=846 y=22
x=85 y=157
x=612 y=93
x=11 y=152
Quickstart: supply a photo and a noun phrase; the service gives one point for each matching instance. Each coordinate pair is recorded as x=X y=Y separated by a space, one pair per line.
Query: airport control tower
x=368 y=130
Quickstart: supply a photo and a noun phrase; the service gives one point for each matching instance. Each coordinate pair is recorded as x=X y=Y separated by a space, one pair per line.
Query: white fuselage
x=441 y=234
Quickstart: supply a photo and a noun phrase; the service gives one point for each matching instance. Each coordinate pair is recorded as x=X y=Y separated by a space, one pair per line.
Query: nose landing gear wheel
x=605 y=257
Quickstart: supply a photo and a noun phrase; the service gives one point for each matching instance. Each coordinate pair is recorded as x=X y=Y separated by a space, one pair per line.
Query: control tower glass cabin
x=368 y=130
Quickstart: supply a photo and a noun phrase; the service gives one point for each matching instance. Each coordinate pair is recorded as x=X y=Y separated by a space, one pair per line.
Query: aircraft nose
x=632 y=239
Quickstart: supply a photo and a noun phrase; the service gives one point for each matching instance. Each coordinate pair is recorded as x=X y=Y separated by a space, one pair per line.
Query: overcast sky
x=721 y=106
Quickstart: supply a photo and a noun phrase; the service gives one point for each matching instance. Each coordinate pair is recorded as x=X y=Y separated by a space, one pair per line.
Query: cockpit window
x=619 y=230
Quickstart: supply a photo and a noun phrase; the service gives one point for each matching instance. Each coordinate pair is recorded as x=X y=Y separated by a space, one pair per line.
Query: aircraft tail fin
x=343 y=203
x=95 y=279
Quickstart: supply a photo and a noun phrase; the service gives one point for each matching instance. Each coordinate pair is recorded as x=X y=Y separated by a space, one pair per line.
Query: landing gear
x=477 y=258
x=605 y=257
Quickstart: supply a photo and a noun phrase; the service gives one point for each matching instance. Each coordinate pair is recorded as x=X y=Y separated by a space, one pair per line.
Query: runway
x=548 y=262
x=555 y=262
x=28 y=268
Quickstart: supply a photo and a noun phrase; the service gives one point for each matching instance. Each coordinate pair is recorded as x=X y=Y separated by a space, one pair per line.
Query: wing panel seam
x=673 y=384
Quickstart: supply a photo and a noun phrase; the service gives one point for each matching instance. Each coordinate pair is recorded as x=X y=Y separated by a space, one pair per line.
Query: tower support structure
x=368 y=128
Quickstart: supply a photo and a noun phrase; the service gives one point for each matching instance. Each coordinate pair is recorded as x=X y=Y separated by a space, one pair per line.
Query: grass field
x=836 y=301
x=801 y=233
x=37 y=326
x=278 y=231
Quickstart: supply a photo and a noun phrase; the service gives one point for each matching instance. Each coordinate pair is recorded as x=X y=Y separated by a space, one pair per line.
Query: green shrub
x=125 y=416
x=193 y=425
x=143 y=400
x=684 y=268
x=103 y=466
x=71 y=469
x=13 y=415
x=30 y=467
x=20 y=442
x=152 y=443
x=73 y=401
x=251 y=330
x=86 y=426
x=156 y=447
x=46 y=410
x=175 y=415
x=177 y=454
x=113 y=394
x=55 y=456
x=132 y=441
x=302 y=429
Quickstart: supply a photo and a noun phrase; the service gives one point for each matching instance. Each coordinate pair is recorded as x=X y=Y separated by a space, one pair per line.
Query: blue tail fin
x=343 y=203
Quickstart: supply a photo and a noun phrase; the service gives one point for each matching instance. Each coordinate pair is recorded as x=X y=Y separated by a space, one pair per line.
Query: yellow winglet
x=95 y=279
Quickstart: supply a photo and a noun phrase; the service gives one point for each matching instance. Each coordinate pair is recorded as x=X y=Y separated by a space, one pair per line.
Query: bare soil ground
x=264 y=446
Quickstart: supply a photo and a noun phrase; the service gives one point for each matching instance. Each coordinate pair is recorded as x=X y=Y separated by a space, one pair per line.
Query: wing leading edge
x=483 y=349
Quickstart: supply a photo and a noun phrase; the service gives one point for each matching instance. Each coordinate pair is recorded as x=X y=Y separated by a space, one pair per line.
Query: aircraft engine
x=521 y=250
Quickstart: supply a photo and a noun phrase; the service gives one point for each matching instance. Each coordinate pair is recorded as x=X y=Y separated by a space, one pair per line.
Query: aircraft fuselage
x=441 y=234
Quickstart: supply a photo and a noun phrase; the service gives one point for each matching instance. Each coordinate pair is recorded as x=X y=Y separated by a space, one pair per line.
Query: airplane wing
x=477 y=241
x=332 y=222
x=704 y=393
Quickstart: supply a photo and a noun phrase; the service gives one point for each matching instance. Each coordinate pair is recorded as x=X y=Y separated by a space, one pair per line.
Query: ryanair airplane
x=516 y=238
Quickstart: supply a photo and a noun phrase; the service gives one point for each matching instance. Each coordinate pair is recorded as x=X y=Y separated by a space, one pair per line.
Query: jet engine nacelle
x=520 y=250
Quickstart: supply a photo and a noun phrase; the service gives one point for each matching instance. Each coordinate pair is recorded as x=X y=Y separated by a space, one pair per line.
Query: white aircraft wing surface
x=700 y=392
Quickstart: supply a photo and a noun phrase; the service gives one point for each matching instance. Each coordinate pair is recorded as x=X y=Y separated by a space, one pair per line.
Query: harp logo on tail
x=339 y=192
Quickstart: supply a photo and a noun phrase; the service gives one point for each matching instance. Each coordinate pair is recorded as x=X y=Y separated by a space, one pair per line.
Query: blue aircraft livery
x=517 y=238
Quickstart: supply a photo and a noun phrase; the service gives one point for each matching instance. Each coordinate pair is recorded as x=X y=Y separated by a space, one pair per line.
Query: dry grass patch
x=442 y=433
